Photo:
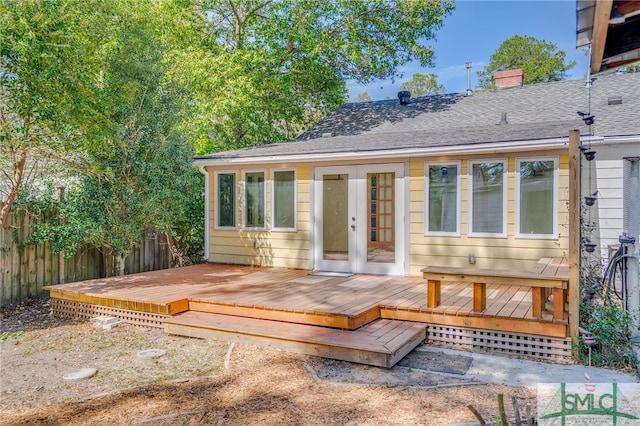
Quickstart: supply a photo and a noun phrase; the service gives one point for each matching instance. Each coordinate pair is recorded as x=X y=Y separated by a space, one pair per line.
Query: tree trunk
x=121 y=264
x=15 y=186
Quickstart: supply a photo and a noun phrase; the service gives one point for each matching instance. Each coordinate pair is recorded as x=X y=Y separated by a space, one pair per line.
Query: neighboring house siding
x=607 y=179
x=490 y=252
x=263 y=247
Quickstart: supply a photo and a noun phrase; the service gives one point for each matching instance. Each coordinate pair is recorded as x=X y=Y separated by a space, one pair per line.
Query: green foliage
x=47 y=63
x=282 y=65
x=250 y=100
x=602 y=314
x=357 y=39
x=539 y=60
x=423 y=85
x=48 y=60
x=364 y=97
x=633 y=68
x=6 y=334
x=140 y=193
x=604 y=317
x=140 y=165
x=187 y=232
x=121 y=94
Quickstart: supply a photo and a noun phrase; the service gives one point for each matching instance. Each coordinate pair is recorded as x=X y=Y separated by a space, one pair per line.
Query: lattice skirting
x=529 y=346
x=78 y=310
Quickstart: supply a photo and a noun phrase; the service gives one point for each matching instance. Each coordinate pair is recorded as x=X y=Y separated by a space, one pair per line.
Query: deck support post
x=479 y=297
x=537 y=301
x=559 y=299
x=573 y=295
x=433 y=293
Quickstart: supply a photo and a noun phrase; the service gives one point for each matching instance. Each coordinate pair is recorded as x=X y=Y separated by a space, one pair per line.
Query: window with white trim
x=254 y=200
x=283 y=204
x=225 y=201
x=536 y=197
x=488 y=189
x=442 y=201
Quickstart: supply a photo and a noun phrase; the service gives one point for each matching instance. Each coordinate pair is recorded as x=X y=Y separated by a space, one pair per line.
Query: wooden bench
x=549 y=275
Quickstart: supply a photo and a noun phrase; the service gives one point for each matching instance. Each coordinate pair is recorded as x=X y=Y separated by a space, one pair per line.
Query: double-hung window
x=254 y=200
x=488 y=198
x=225 y=201
x=442 y=201
x=283 y=189
x=536 y=198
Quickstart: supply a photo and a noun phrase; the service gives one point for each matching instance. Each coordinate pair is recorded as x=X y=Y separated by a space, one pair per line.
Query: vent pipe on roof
x=404 y=96
x=503 y=118
x=468 y=66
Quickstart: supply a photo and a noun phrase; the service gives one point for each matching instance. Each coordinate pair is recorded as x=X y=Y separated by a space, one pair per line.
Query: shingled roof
x=534 y=112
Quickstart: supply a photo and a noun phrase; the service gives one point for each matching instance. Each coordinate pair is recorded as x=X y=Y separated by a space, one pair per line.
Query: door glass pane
x=335 y=215
x=381 y=238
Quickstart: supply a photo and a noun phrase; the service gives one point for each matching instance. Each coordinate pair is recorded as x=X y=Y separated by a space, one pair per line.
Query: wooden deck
x=298 y=297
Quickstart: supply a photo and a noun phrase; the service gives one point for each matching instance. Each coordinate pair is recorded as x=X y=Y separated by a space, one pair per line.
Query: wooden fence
x=26 y=268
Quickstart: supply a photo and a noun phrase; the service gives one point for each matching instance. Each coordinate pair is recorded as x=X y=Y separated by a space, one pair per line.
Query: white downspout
x=207 y=209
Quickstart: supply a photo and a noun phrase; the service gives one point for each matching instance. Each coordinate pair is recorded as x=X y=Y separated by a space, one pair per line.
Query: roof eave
x=485 y=148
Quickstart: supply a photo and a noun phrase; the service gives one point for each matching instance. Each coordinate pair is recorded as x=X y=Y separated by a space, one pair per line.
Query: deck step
x=381 y=343
x=367 y=313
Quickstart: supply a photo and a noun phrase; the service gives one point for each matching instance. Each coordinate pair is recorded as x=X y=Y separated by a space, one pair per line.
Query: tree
x=633 y=68
x=121 y=92
x=539 y=60
x=625 y=69
x=47 y=88
x=139 y=178
x=364 y=97
x=281 y=65
x=423 y=85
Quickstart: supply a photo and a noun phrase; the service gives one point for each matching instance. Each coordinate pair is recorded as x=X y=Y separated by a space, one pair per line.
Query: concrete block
x=105 y=322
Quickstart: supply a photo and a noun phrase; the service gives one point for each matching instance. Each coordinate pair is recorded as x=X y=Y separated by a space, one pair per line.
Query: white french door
x=359 y=219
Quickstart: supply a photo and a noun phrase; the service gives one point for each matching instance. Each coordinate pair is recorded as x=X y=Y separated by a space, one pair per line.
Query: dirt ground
x=211 y=382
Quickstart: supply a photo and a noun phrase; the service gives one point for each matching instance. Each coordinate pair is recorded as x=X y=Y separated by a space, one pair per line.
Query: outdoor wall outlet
x=255 y=244
x=472 y=259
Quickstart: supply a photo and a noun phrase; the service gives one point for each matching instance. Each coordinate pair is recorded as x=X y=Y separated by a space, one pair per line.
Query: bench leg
x=558 y=303
x=433 y=293
x=537 y=301
x=479 y=297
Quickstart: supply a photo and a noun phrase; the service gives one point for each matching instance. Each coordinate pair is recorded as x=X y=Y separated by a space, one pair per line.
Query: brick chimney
x=508 y=78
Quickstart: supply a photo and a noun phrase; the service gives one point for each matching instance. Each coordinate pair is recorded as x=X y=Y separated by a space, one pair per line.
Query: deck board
x=500 y=296
x=509 y=308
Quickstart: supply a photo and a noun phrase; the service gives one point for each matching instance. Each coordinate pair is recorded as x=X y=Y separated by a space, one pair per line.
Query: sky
x=475 y=30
